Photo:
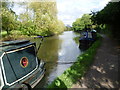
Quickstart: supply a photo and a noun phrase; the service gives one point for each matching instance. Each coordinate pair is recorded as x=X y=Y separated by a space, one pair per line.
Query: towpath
x=104 y=72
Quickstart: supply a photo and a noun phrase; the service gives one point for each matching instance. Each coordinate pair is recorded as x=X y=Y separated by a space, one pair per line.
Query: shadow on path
x=104 y=71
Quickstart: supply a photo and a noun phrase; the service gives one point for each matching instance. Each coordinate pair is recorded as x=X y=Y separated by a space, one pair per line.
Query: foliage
x=8 y=18
x=43 y=21
x=82 y=23
x=39 y=18
x=3 y=33
x=110 y=17
x=77 y=70
x=58 y=83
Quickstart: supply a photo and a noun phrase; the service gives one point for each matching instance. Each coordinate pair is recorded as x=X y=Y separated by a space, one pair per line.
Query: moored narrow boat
x=19 y=65
x=87 y=39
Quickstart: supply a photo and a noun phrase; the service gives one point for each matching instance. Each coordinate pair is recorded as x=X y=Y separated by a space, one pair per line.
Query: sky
x=70 y=10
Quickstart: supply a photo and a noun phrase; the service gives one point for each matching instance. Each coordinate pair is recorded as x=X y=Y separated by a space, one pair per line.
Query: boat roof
x=12 y=45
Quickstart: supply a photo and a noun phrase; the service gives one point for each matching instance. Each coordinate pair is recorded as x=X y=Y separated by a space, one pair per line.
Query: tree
x=45 y=18
x=8 y=18
x=110 y=17
x=82 y=23
x=39 y=18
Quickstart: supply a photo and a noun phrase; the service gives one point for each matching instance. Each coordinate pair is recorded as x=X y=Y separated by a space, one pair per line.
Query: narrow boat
x=19 y=66
x=87 y=39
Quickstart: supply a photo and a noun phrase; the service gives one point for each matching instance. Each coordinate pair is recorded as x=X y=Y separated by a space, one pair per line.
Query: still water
x=54 y=51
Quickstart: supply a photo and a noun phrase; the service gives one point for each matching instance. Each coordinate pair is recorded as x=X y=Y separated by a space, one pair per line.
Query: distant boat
x=19 y=65
x=87 y=39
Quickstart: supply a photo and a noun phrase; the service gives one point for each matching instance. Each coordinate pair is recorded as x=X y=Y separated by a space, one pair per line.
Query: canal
x=56 y=51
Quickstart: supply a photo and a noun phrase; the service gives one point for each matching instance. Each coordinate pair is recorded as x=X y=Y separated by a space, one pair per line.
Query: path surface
x=104 y=71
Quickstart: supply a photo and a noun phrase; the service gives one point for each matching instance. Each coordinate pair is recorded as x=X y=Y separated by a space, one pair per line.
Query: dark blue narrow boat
x=19 y=65
x=87 y=39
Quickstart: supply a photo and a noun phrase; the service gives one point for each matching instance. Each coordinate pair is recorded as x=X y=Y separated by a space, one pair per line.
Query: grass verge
x=77 y=70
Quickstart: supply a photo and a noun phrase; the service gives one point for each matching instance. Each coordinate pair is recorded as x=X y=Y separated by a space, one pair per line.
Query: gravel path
x=104 y=71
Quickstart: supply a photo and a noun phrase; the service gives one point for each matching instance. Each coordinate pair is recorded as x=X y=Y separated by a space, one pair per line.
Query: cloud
x=70 y=10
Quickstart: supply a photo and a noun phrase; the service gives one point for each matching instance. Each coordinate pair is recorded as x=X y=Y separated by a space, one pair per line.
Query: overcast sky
x=70 y=10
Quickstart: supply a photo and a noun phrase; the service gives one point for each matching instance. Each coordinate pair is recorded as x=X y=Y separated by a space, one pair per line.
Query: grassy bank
x=77 y=70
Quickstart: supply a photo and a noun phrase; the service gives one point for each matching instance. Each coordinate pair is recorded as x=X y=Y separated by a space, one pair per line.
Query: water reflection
x=57 y=49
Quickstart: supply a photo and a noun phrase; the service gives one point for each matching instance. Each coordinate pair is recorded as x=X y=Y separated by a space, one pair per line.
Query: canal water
x=57 y=51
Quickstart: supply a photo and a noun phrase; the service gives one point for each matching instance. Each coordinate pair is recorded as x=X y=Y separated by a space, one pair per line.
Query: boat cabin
x=19 y=65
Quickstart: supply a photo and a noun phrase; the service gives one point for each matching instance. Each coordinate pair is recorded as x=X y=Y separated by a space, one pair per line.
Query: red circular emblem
x=24 y=62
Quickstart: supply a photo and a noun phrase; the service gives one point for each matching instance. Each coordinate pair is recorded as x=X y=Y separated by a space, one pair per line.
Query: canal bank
x=77 y=70
x=104 y=72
